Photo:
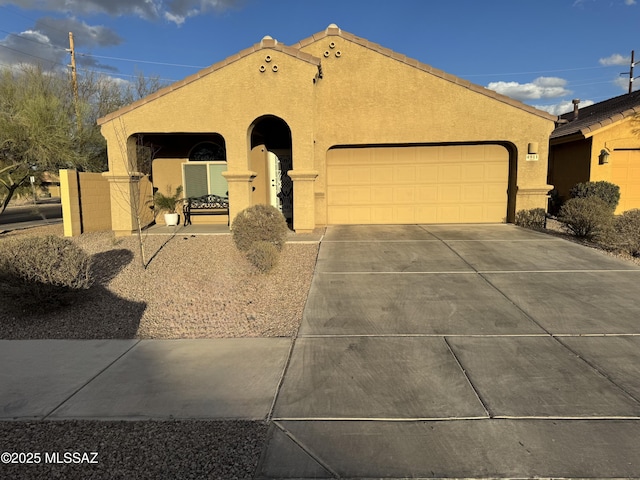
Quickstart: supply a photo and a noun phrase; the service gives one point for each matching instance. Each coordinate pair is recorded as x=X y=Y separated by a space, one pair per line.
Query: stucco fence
x=86 y=205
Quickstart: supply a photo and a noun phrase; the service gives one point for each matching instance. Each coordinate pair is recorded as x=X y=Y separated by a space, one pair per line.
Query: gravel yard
x=194 y=287
x=134 y=450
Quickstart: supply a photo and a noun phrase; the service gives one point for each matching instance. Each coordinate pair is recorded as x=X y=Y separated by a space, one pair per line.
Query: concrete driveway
x=461 y=352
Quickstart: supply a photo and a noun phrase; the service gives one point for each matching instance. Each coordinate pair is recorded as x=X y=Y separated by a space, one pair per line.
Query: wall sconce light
x=603 y=158
x=532 y=148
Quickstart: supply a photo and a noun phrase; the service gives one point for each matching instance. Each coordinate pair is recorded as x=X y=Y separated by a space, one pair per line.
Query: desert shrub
x=606 y=191
x=263 y=256
x=42 y=271
x=534 y=218
x=259 y=223
x=627 y=232
x=587 y=217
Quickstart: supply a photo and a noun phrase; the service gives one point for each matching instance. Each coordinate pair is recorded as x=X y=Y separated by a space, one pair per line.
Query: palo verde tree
x=43 y=129
x=36 y=130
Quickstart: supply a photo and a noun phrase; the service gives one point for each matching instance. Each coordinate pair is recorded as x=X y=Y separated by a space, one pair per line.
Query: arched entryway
x=271 y=159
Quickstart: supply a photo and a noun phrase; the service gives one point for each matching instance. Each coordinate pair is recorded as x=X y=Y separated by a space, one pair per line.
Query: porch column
x=304 y=219
x=239 y=191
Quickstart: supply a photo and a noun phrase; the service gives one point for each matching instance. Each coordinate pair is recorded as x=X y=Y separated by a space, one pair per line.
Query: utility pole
x=631 y=77
x=74 y=77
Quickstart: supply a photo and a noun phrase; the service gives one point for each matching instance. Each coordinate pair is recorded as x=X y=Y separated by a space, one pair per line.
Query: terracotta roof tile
x=599 y=115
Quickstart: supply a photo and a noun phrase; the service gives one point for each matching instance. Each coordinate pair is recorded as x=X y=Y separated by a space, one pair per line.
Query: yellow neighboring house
x=332 y=130
x=599 y=142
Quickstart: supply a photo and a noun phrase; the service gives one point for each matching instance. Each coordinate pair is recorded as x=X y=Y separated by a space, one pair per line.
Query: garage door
x=426 y=184
x=625 y=172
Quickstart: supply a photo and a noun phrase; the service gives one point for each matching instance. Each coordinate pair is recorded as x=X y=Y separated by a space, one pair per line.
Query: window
x=203 y=178
x=202 y=175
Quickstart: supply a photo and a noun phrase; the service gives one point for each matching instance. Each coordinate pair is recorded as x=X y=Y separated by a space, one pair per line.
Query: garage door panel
x=427 y=194
x=472 y=172
x=380 y=175
x=473 y=193
x=338 y=196
x=450 y=174
x=395 y=185
x=404 y=194
x=449 y=193
x=625 y=172
x=404 y=174
x=426 y=174
x=381 y=214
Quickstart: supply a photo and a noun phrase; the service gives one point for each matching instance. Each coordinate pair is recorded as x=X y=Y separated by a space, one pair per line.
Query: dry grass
x=195 y=287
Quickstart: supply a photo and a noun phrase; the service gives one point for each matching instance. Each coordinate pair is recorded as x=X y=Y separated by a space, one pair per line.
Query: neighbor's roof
x=599 y=115
x=295 y=51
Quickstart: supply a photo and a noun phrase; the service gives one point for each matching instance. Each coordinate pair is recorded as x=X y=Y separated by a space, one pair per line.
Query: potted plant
x=168 y=203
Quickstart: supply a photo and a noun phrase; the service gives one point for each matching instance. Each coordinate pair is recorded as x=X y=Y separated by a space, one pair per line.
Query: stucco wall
x=372 y=98
x=86 y=205
x=364 y=97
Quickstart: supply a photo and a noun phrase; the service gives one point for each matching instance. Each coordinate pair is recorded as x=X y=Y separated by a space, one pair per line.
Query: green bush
x=259 y=223
x=606 y=191
x=534 y=218
x=627 y=232
x=263 y=256
x=40 y=272
x=586 y=217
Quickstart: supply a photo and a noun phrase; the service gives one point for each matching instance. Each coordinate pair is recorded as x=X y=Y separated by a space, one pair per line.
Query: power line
x=32 y=40
x=53 y=62
x=140 y=61
x=36 y=21
x=88 y=70
x=536 y=72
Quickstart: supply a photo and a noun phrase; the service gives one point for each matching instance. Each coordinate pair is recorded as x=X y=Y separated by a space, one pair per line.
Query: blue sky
x=542 y=52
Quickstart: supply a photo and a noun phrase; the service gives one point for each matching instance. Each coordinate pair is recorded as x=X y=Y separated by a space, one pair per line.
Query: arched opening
x=271 y=159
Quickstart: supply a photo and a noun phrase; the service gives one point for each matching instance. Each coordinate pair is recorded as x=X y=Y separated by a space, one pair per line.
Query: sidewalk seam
x=44 y=417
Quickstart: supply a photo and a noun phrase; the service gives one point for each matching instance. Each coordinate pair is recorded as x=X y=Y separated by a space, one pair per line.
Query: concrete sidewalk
x=461 y=352
x=140 y=379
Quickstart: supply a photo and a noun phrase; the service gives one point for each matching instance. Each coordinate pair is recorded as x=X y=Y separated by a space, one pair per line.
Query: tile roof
x=599 y=115
x=295 y=50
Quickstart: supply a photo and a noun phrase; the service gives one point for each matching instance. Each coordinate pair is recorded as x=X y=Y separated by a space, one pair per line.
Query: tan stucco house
x=599 y=142
x=333 y=130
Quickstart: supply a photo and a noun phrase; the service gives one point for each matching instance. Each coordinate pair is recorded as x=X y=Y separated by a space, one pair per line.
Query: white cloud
x=46 y=43
x=31 y=47
x=630 y=2
x=615 y=59
x=541 y=87
x=173 y=10
x=622 y=83
x=562 y=107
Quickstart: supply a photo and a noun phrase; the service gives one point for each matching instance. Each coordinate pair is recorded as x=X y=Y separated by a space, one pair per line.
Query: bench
x=205 y=205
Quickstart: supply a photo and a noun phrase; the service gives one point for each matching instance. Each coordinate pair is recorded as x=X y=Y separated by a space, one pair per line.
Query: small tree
x=36 y=129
